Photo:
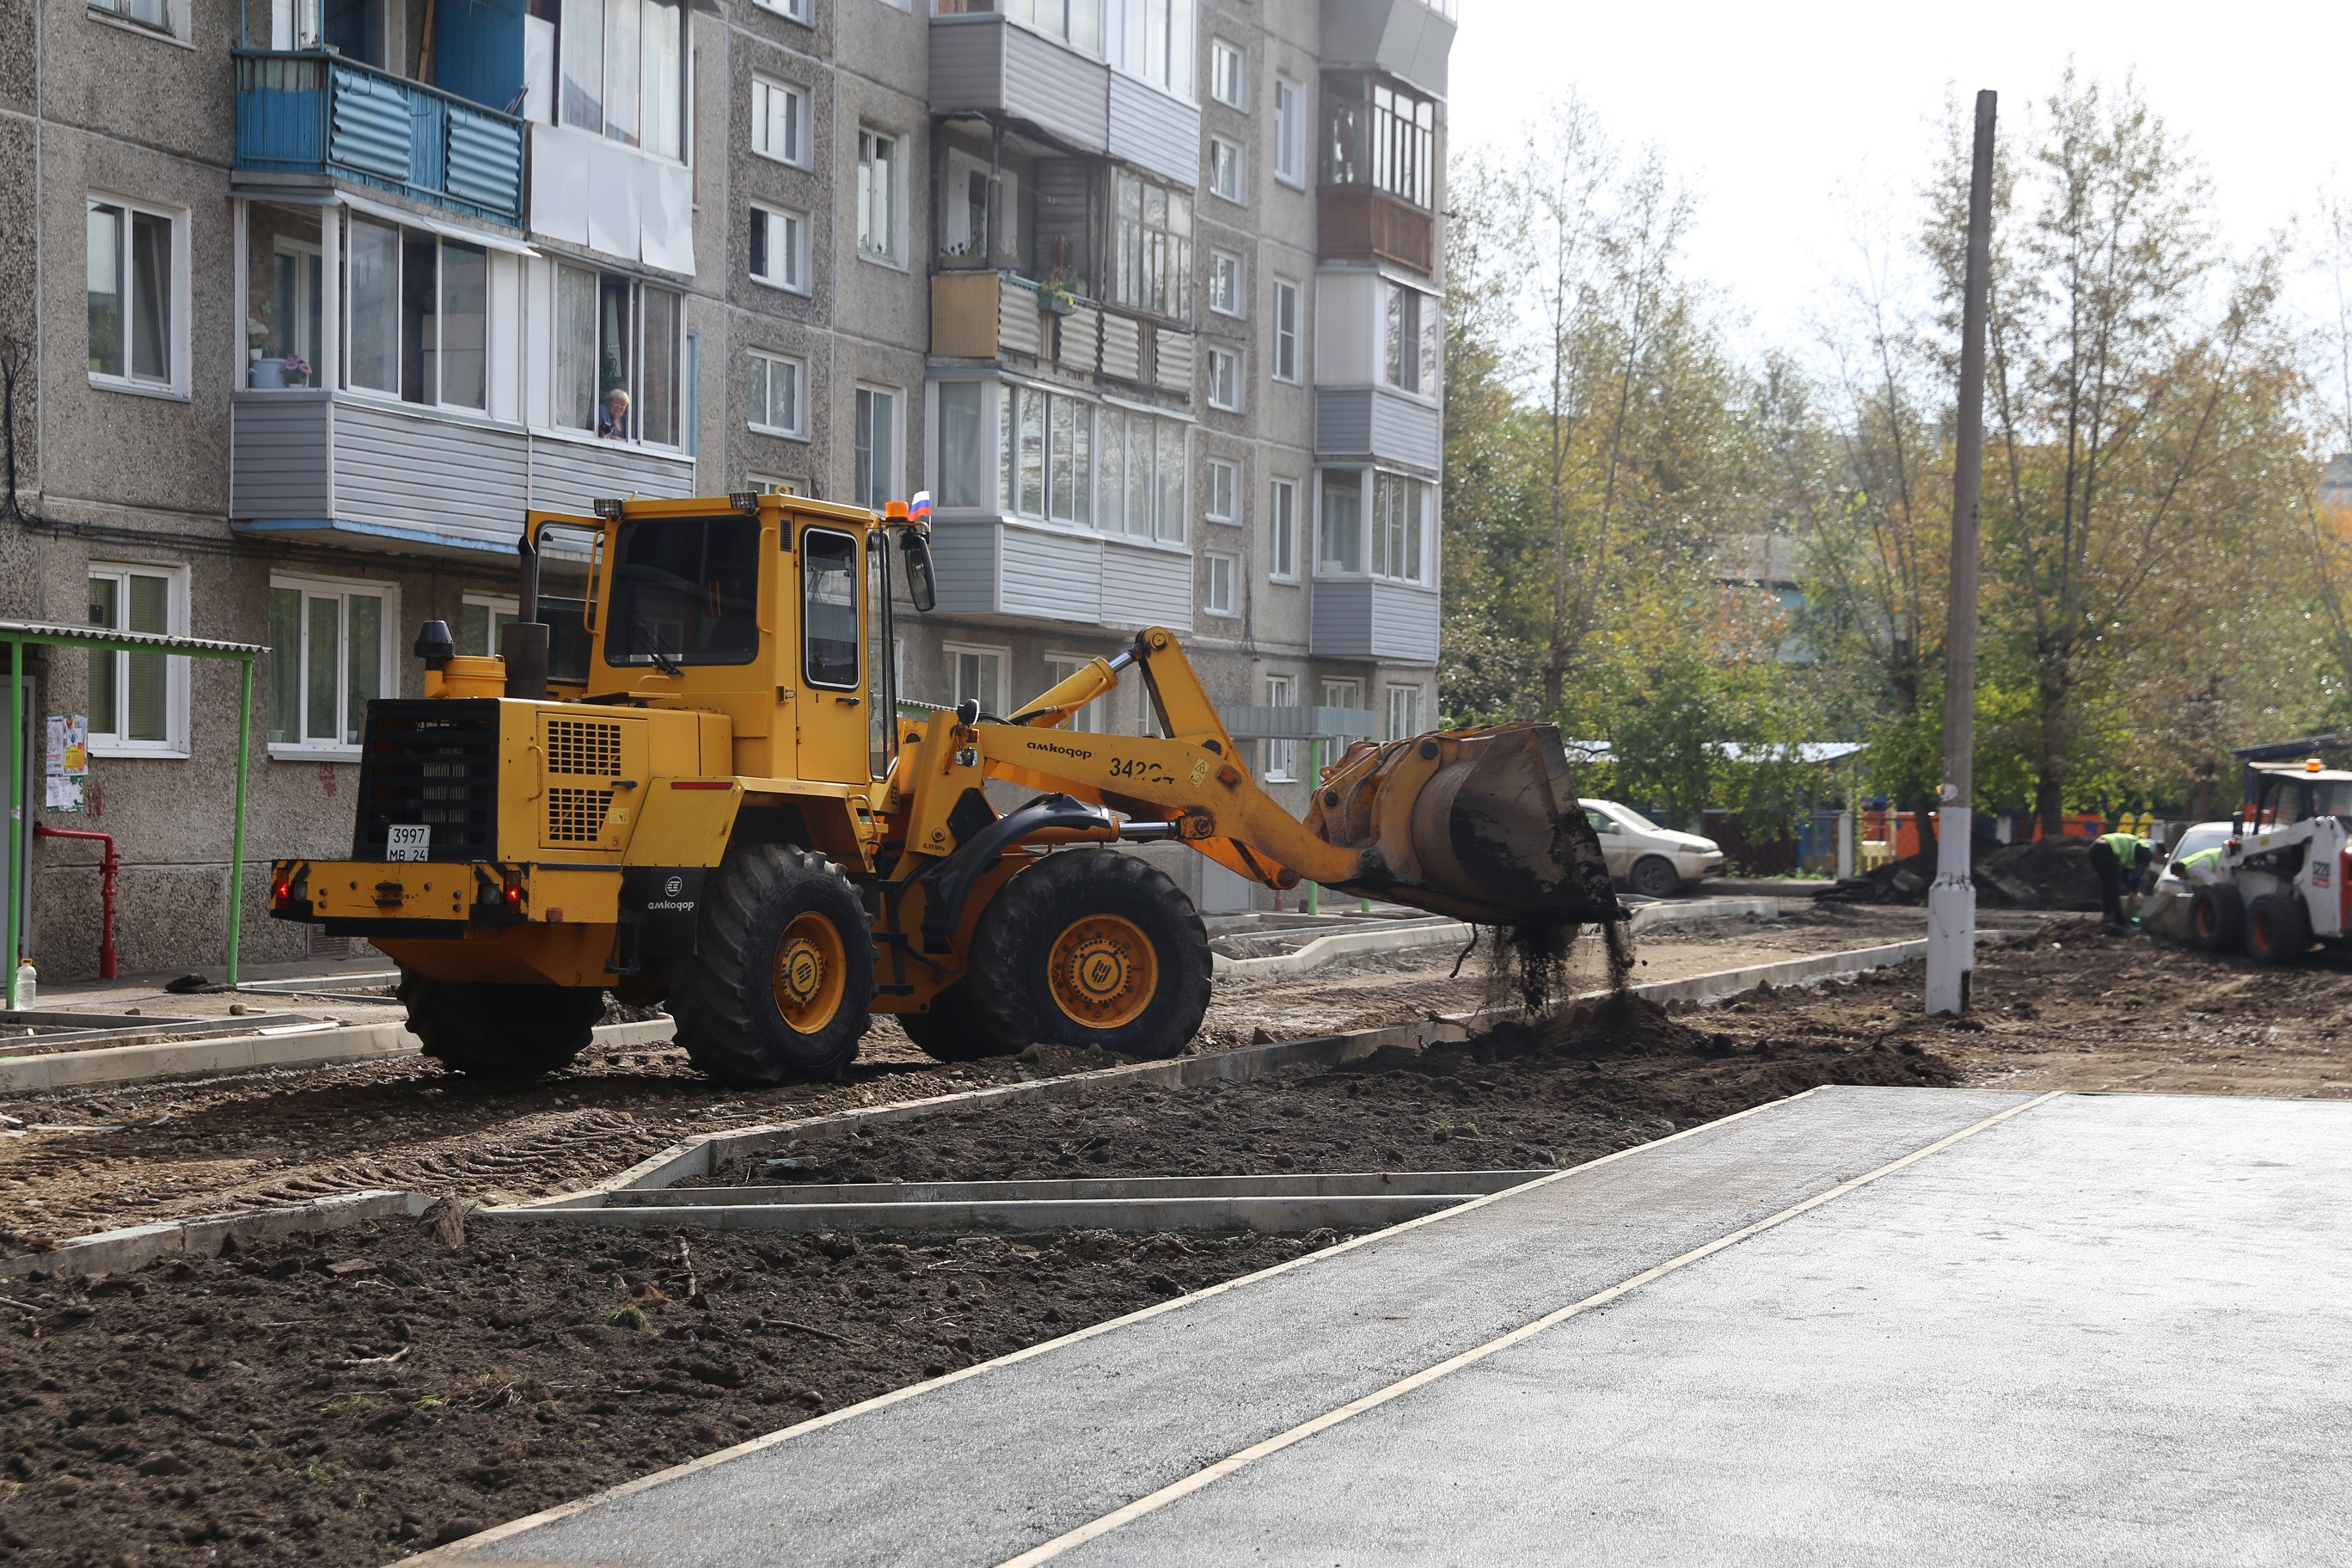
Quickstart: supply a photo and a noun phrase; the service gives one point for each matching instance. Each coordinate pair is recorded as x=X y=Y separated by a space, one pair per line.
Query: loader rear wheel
x=782 y=975
x=488 y=1030
x=1090 y=948
x=2278 y=928
x=2215 y=917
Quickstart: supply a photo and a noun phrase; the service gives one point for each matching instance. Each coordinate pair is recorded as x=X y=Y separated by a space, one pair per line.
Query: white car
x=2165 y=908
x=1653 y=861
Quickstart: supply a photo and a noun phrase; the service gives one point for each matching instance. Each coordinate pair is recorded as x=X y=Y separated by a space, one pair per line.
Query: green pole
x=11 y=928
x=1314 y=782
x=236 y=840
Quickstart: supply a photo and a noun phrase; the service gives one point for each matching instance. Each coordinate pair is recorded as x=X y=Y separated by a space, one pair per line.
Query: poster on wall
x=66 y=764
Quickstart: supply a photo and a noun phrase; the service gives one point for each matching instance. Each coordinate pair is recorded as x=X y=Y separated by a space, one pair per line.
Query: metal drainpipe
x=108 y=865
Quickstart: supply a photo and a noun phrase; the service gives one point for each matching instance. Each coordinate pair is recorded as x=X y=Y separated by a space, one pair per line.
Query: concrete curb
x=1325 y=950
x=323 y=1045
x=118 y=1251
x=1273 y=1215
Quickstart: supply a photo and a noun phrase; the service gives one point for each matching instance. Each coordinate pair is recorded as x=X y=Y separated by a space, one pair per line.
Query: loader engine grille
x=433 y=764
x=581 y=747
x=576 y=816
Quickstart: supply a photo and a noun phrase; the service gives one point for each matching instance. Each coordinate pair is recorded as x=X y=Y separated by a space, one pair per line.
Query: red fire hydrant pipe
x=108 y=865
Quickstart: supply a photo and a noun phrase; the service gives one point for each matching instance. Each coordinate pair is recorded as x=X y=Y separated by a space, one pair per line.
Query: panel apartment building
x=309 y=300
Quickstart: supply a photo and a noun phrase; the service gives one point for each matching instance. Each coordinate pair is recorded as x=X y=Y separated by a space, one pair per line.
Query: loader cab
x=2281 y=795
x=771 y=609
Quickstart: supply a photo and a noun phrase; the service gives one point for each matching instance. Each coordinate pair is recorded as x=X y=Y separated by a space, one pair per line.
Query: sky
x=1788 y=119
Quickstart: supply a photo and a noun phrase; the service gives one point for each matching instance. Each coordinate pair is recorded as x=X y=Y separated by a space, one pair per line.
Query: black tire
x=499 y=1031
x=951 y=1032
x=1654 y=876
x=776 y=922
x=2216 y=916
x=1097 y=913
x=2278 y=929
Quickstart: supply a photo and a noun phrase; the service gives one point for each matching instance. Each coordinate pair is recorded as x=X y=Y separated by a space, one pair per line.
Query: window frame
x=893 y=484
x=497 y=605
x=1290 y=130
x=954 y=651
x=177 y=295
x=175 y=742
x=1227 y=265
x=1089 y=719
x=681 y=89
x=893 y=254
x=765 y=219
x=1413 y=724
x=387 y=668
x=1230 y=517
x=799 y=367
x=1220 y=53
x=1226 y=155
x=790 y=10
x=797 y=119
x=857 y=578
x=435 y=352
x=1226 y=365
x=1285 y=332
x=1142 y=255
x=1280 y=763
x=1211 y=561
x=636 y=380
x=1282 y=530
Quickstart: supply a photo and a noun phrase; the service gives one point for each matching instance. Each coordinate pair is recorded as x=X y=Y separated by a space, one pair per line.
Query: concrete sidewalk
x=2095 y=1330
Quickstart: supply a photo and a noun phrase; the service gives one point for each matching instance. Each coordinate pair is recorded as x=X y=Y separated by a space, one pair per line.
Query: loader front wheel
x=499 y=1031
x=1090 y=948
x=779 y=988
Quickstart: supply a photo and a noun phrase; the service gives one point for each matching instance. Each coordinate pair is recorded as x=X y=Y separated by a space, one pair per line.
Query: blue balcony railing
x=322 y=113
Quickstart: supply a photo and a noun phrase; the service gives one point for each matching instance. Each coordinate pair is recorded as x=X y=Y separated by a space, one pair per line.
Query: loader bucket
x=1482 y=824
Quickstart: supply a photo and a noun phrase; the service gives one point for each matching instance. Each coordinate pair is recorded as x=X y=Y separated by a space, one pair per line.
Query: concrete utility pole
x=1952 y=900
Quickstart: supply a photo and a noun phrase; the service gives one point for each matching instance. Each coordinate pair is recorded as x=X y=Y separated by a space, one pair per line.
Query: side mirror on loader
x=921 y=586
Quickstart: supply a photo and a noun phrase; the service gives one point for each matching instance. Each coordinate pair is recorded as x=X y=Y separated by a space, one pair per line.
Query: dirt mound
x=2041 y=874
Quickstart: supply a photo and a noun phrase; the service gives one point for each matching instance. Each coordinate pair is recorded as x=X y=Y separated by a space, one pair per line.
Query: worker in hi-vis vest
x=2202 y=870
x=2117 y=858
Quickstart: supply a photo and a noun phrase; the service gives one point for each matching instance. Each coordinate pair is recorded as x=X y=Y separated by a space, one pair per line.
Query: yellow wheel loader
x=687 y=778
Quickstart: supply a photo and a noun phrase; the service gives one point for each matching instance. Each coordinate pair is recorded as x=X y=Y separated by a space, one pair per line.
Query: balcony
x=319 y=113
x=1359 y=221
x=1370 y=617
x=1378 y=423
x=362 y=471
x=991 y=315
x=987 y=65
x=1017 y=573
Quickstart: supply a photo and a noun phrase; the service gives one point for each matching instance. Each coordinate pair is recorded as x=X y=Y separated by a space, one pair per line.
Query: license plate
x=408 y=844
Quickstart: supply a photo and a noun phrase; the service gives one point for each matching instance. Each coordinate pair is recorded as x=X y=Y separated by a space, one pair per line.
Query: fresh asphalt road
x=1998 y=1329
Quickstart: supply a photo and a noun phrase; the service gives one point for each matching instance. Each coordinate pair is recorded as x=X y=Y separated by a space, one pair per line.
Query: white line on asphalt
x=1203 y=1478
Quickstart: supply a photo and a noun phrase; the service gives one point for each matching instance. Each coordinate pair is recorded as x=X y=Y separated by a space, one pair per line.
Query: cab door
x=831 y=700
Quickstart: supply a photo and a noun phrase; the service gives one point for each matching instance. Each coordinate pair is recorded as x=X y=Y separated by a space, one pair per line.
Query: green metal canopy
x=18 y=636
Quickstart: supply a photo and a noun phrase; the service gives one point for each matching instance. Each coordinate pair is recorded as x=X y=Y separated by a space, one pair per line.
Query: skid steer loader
x=2285 y=880
x=687 y=779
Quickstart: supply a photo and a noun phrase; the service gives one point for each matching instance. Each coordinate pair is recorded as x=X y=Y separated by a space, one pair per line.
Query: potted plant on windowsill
x=1061 y=291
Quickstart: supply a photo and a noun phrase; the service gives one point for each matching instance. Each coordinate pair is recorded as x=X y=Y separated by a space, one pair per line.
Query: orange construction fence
x=1903 y=828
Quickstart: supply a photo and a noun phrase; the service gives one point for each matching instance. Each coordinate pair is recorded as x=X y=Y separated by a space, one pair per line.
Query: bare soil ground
x=89 y=1160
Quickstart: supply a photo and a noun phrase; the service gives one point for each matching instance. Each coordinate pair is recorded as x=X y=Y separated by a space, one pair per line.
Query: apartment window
x=775 y=401
x=1409 y=347
x=138 y=701
x=1224 y=283
x=877 y=195
x=1281 y=756
x=146 y=13
x=768 y=485
x=1139 y=476
x=1154 y=236
x=1404 y=713
x=1221 y=504
x=1045 y=458
x=1380 y=136
x=482 y=621
x=780 y=248
x=779 y=121
x=1347 y=694
x=1343 y=522
x=963 y=443
x=135 y=290
x=1400 y=514
x=964 y=233
x=1282 y=530
x=618 y=344
x=1225 y=379
x=976 y=675
x=1061 y=667
x=798 y=10
x=419 y=315
x=330 y=656
x=1224 y=170
x=624 y=71
x=1077 y=22
x=876 y=450
x=1220 y=601
x=284 y=295
x=1154 y=42
x=1228 y=75
x=1289 y=132
x=1286 y=331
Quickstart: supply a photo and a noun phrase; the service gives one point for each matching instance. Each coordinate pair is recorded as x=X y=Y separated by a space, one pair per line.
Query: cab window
x=686 y=590
x=829 y=609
